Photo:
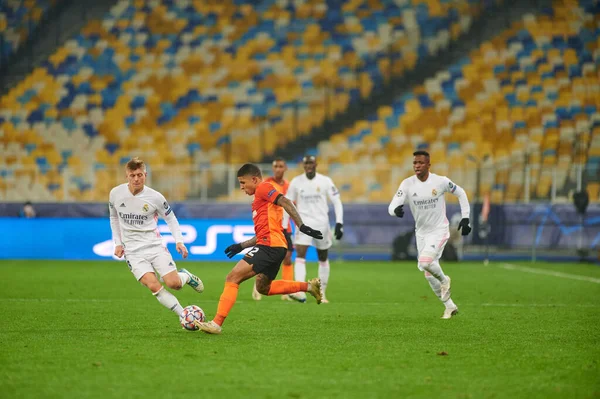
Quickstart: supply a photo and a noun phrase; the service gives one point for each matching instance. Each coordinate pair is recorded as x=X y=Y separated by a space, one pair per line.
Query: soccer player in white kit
x=134 y=211
x=425 y=194
x=310 y=192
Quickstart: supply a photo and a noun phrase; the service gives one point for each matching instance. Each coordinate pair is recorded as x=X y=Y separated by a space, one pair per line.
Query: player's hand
x=233 y=249
x=399 y=211
x=311 y=232
x=464 y=224
x=182 y=249
x=339 y=231
x=119 y=251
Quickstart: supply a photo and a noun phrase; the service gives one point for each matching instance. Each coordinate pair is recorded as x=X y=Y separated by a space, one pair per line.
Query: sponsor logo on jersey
x=133 y=218
x=452 y=186
x=166 y=205
x=122 y=205
x=399 y=193
x=145 y=208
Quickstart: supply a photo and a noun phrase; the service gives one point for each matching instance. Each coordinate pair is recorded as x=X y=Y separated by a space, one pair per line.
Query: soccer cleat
x=255 y=294
x=298 y=297
x=324 y=300
x=315 y=289
x=209 y=327
x=449 y=312
x=445 y=293
x=194 y=282
x=286 y=297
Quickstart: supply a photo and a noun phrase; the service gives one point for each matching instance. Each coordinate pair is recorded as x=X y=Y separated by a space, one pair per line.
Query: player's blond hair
x=135 y=163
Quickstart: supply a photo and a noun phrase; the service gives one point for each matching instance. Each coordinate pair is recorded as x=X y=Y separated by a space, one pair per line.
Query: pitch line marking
x=526 y=269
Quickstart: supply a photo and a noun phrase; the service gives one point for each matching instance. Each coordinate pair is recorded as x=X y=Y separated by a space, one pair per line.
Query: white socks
x=185 y=278
x=324 y=274
x=300 y=269
x=436 y=270
x=168 y=300
x=436 y=286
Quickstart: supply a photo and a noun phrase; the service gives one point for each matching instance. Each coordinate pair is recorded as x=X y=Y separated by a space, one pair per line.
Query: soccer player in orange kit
x=287 y=271
x=269 y=248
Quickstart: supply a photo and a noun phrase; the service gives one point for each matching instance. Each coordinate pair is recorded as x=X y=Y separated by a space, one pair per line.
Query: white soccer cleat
x=298 y=297
x=194 y=282
x=324 y=300
x=449 y=312
x=445 y=289
x=255 y=294
x=209 y=327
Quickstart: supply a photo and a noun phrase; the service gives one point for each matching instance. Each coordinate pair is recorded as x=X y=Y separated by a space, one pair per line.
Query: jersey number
x=252 y=252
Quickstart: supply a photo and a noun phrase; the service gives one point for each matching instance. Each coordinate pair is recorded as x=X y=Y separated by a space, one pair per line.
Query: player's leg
x=163 y=263
x=287 y=268
x=266 y=264
x=300 y=263
x=323 y=256
x=241 y=272
x=287 y=272
x=163 y=296
x=255 y=294
x=144 y=272
x=430 y=251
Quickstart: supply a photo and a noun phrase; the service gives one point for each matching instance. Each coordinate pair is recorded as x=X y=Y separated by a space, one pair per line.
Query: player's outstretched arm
x=234 y=249
x=290 y=208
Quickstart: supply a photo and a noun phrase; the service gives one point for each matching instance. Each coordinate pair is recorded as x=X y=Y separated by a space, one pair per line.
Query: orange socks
x=287 y=287
x=226 y=302
x=287 y=272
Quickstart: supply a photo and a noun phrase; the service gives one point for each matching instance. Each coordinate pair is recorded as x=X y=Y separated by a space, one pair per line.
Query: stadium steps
x=488 y=25
x=64 y=21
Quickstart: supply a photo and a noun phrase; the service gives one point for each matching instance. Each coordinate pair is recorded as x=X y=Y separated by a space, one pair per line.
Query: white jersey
x=134 y=218
x=427 y=203
x=310 y=196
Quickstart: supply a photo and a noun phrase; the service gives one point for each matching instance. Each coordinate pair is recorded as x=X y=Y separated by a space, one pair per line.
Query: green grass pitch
x=89 y=330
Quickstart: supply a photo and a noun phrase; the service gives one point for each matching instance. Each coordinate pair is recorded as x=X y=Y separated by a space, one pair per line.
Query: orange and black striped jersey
x=267 y=216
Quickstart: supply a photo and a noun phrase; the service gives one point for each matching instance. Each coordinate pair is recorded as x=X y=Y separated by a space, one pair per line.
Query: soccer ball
x=191 y=313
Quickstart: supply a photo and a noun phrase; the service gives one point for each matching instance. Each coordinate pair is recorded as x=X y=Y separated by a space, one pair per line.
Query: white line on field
x=526 y=269
x=501 y=305
x=538 y=305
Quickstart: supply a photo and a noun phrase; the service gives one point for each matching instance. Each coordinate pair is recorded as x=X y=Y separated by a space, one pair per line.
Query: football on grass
x=191 y=313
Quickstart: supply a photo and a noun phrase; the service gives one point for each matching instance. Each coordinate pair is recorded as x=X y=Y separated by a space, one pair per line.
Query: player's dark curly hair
x=421 y=152
x=249 y=169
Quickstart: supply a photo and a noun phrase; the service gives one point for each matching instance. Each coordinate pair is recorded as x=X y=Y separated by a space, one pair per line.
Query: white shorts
x=431 y=247
x=302 y=239
x=150 y=260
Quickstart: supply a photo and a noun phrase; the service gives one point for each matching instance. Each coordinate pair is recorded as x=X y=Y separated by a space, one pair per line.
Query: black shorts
x=288 y=238
x=266 y=260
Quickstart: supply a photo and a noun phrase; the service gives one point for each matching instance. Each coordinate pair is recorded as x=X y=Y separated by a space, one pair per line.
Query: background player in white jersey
x=134 y=211
x=425 y=194
x=310 y=192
